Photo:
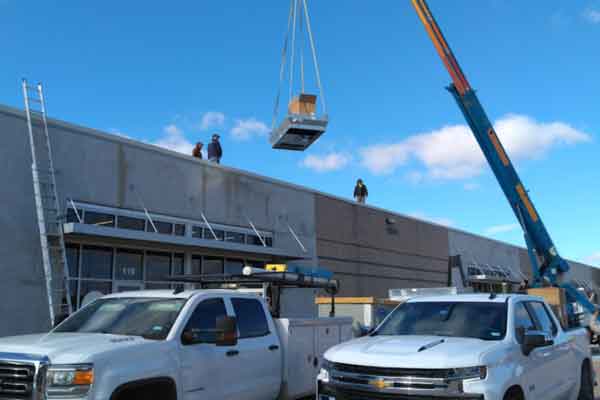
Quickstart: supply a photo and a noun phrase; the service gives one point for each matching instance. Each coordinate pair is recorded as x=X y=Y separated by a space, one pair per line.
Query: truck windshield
x=486 y=321
x=150 y=318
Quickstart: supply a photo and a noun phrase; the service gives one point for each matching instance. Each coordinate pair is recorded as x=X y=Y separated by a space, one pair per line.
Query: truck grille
x=16 y=381
x=393 y=372
x=362 y=395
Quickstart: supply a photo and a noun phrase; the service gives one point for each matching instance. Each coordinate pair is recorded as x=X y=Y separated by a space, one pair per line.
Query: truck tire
x=149 y=389
x=514 y=393
x=586 y=390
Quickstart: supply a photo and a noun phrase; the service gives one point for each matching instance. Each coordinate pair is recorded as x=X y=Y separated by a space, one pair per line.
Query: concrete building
x=112 y=245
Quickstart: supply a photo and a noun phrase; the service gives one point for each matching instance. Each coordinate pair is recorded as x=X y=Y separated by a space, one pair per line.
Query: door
x=534 y=381
x=202 y=364
x=259 y=360
x=560 y=363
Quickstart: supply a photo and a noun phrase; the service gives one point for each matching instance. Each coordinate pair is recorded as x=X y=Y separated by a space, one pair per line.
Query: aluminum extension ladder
x=50 y=221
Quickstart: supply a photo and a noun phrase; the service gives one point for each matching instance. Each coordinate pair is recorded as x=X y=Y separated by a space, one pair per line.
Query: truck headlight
x=324 y=372
x=69 y=380
x=457 y=374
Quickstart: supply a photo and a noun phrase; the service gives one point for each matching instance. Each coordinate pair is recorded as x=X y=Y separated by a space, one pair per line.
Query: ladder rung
x=48 y=183
x=45 y=171
x=36 y=100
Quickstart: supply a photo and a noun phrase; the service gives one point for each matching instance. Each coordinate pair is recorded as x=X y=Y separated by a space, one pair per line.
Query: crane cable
x=294 y=15
x=282 y=67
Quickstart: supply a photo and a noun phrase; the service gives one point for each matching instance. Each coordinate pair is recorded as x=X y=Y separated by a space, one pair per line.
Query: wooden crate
x=556 y=298
x=305 y=104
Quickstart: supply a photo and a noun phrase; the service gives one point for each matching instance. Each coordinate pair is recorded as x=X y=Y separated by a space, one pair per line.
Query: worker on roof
x=360 y=192
x=197 y=152
x=215 y=152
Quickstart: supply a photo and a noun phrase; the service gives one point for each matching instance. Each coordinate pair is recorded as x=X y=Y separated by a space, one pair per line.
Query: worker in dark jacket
x=360 y=192
x=214 y=150
x=197 y=152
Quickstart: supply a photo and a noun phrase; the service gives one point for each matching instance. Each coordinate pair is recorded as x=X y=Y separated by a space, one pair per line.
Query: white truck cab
x=475 y=346
x=163 y=345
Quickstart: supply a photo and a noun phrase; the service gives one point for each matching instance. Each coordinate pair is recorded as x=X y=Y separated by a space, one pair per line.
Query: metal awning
x=149 y=239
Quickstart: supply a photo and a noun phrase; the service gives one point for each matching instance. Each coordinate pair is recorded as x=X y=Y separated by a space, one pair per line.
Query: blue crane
x=549 y=268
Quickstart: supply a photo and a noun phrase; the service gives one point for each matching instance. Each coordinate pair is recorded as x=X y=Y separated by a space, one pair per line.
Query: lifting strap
x=298 y=18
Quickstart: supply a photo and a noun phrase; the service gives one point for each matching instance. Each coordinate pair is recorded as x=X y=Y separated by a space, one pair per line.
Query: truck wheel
x=514 y=393
x=151 y=389
x=586 y=390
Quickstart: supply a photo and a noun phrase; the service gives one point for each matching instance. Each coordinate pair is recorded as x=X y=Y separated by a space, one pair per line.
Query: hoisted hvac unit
x=304 y=123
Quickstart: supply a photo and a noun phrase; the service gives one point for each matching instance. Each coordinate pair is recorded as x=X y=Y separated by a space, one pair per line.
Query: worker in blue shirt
x=214 y=149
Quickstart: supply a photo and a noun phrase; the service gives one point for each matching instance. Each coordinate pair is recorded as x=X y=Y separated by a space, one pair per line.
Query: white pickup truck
x=476 y=346
x=161 y=345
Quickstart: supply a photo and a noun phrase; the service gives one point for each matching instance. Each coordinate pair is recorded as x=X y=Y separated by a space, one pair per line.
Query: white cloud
x=245 y=129
x=440 y=221
x=326 y=163
x=594 y=259
x=499 y=229
x=592 y=15
x=175 y=140
x=452 y=152
x=212 y=119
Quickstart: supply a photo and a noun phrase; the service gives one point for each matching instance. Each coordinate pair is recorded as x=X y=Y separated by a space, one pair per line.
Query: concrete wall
x=370 y=256
x=370 y=250
x=107 y=170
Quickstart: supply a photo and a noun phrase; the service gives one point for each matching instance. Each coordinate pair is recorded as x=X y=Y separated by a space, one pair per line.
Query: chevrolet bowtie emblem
x=380 y=384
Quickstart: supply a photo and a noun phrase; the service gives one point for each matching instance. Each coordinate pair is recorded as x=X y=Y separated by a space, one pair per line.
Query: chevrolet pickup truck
x=164 y=345
x=476 y=346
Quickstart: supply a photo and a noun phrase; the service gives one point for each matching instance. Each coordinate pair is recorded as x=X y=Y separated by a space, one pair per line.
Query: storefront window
x=218 y=233
x=179 y=230
x=178 y=264
x=72 y=215
x=196 y=265
x=129 y=265
x=235 y=237
x=100 y=219
x=197 y=232
x=234 y=267
x=158 y=266
x=97 y=262
x=135 y=224
x=165 y=228
x=212 y=265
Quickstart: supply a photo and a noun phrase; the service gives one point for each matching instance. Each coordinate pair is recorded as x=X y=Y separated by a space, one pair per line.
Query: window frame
x=554 y=328
x=518 y=337
x=195 y=307
x=268 y=332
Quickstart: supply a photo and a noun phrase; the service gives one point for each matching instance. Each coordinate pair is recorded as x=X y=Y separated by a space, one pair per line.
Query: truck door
x=202 y=363
x=259 y=361
x=535 y=380
x=560 y=362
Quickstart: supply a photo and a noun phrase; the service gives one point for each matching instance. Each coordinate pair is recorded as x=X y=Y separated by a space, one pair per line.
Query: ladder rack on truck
x=549 y=268
x=271 y=281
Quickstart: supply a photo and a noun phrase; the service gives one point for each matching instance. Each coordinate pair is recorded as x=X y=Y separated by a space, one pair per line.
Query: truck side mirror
x=534 y=339
x=226 y=331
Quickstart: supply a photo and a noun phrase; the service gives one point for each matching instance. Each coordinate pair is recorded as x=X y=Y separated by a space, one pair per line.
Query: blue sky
x=172 y=73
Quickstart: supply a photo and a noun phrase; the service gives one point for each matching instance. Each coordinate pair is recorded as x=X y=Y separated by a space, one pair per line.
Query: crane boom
x=546 y=263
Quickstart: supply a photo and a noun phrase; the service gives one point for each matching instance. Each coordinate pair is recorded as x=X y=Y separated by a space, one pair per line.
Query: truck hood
x=69 y=347
x=412 y=352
